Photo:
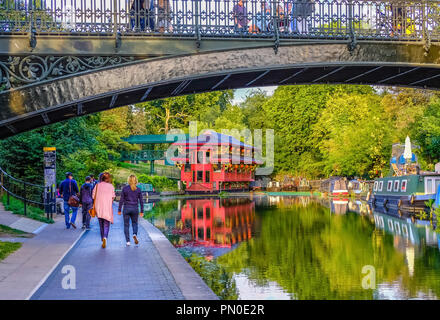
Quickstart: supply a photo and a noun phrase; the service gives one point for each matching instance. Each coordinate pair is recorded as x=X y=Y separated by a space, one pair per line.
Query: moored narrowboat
x=406 y=192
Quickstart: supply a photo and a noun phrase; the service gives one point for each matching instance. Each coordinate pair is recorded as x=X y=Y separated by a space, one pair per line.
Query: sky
x=240 y=94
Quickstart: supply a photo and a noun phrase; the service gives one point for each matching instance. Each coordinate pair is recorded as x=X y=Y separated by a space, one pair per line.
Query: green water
x=277 y=247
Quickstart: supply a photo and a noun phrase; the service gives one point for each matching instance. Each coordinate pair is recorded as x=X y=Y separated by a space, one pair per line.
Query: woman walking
x=104 y=194
x=131 y=198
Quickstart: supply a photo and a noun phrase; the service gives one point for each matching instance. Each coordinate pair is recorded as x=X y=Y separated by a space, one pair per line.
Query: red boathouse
x=214 y=162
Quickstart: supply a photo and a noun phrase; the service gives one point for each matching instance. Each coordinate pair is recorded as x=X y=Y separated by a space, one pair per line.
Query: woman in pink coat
x=104 y=194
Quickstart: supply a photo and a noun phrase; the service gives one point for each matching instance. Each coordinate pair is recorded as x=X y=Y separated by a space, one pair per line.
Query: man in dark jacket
x=302 y=10
x=68 y=188
x=86 y=200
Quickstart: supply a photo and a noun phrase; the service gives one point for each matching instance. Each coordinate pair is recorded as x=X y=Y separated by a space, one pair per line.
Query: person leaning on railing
x=240 y=17
x=164 y=16
x=142 y=14
x=398 y=11
x=302 y=10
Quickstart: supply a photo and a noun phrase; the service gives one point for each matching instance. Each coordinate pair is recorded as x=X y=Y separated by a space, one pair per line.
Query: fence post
x=24 y=199
x=46 y=201
x=2 y=191
x=53 y=202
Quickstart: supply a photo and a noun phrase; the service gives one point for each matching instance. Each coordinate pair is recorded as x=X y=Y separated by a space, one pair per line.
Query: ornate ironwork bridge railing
x=310 y=19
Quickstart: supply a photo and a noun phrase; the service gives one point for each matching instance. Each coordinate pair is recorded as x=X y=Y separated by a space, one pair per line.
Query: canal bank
x=150 y=271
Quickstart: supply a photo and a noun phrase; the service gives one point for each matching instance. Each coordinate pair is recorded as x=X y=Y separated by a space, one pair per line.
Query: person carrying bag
x=69 y=192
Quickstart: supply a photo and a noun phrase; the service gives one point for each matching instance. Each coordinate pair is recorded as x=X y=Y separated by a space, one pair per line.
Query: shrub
x=159 y=183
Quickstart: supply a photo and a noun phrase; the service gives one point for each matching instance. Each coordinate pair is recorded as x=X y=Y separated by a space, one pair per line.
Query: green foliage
x=6 y=248
x=158 y=182
x=216 y=277
x=78 y=150
x=320 y=130
x=17 y=207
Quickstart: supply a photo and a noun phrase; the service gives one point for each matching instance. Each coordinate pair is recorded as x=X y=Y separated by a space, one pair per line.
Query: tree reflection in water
x=309 y=250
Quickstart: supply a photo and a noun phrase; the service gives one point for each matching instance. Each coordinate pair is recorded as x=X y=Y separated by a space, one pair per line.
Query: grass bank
x=6 y=248
x=17 y=207
x=10 y=231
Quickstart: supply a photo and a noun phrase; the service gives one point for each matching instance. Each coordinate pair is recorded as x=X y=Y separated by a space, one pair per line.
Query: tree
x=357 y=139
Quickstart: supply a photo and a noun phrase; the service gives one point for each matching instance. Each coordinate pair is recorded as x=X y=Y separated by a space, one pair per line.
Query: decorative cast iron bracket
x=352 y=42
x=17 y=71
x=198 y=38
x=118 y=41
x=33 y=39
x=277 y=36
x=426 y=43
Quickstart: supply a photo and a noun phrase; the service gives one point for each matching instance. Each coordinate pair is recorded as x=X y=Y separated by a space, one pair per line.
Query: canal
x=302 y=248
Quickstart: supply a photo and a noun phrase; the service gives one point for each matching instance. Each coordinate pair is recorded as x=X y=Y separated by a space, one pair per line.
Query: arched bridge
x=66 y=58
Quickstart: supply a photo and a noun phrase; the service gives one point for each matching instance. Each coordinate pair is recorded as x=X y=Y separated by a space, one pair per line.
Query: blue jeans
x=130 y=213
x=142 y=20
x=67 y=214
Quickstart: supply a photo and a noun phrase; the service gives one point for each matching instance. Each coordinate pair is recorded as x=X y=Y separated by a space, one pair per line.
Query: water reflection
x=307 y=248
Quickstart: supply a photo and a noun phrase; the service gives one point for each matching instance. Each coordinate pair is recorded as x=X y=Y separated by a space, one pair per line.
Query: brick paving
x=117 y=272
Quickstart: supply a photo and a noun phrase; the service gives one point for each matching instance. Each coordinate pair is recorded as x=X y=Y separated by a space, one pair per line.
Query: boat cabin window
x=380 y=185
x=431 y=185
x=207 y=179
x=390 y=186
x=396 y=185
x=199 y=176
x=403 y=187
x=375 y=186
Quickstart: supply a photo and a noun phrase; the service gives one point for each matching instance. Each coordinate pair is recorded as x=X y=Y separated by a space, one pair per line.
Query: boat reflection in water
x=217 y=222
x=210 y=226
x=290 y=247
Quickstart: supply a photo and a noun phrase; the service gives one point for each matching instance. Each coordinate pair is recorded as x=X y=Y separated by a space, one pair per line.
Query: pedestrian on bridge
x=104 y=194
x=302 y=11
x=85 y=198
x=240 y=17
x=131 y=199
x=69 y=190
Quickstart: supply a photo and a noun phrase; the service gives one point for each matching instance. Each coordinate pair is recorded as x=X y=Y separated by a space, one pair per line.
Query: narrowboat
x=405 y=192
x=335 y=186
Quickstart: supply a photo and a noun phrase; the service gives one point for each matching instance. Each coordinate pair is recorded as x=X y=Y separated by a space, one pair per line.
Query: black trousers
x=130 y=213
x=85 y=214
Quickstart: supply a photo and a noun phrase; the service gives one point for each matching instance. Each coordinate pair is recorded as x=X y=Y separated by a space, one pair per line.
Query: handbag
x=92 y=211
x=73 y=200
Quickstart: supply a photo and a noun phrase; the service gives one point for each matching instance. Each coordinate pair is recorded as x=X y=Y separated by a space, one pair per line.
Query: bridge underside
x=50 y=101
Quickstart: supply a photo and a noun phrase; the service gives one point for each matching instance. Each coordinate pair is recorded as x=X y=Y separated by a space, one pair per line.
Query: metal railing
x=310 y=19
x=143 y=155
x=29 y=193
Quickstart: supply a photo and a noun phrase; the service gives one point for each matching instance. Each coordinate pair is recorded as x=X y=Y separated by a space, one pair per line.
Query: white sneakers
x=128 y=243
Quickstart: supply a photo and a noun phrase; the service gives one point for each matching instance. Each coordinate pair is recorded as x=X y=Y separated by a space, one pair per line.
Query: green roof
x=151 y=139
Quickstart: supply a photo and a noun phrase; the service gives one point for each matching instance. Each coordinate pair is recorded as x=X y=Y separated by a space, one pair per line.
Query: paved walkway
x=119 y=272
x=24 y=270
